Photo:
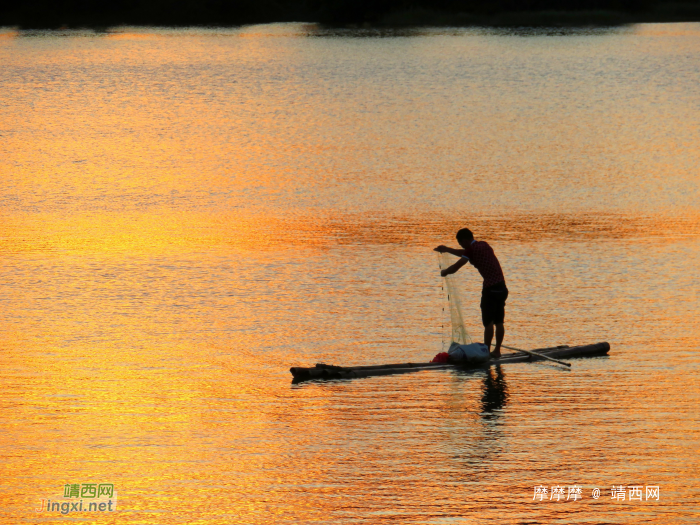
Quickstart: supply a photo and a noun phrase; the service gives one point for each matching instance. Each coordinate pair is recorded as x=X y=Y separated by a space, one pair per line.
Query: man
x=494 y=293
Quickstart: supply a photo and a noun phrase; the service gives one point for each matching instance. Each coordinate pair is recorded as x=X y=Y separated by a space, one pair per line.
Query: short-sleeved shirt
x=481 y=256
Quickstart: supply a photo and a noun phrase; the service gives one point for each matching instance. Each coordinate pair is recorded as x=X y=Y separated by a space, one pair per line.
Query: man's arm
x=456 y=266
x=443 y=249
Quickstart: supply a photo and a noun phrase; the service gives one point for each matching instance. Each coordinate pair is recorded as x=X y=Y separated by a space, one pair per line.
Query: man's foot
x=495 y=355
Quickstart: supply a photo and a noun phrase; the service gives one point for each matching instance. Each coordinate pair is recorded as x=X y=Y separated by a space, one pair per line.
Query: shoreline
x=400 y=19
x=553 y=19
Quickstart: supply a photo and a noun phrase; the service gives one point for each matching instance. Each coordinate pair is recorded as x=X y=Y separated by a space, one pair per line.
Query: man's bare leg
x=488 y=335
x=500 y=334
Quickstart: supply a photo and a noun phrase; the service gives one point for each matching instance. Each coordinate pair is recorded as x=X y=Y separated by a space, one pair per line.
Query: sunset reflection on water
x=185 y=214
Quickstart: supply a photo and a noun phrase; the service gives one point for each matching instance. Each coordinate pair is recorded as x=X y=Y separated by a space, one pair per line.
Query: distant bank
x=35 y=14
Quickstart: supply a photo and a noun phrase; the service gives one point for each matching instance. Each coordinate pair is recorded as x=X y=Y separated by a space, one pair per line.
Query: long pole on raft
x=538 y=355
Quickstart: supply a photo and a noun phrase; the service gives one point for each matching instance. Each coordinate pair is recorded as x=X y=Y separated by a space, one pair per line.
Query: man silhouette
x=494 y=292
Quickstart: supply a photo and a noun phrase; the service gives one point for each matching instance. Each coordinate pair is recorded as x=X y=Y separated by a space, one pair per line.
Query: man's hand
x=454 y=268
x=440 y=249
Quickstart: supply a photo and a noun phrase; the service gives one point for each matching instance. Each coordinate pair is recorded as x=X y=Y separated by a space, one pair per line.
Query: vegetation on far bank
x=100 y=13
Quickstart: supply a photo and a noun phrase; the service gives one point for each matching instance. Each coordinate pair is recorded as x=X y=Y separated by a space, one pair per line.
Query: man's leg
x=488 y=335
x=498 y=314
x=500 y=333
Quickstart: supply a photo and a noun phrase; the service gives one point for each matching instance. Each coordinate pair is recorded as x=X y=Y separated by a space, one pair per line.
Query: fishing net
x=459 y=332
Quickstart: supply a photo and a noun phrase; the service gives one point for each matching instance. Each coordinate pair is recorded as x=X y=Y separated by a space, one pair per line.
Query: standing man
x=494 y=292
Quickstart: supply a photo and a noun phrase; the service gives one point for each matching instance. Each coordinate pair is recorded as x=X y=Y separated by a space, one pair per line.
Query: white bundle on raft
x=473 y=354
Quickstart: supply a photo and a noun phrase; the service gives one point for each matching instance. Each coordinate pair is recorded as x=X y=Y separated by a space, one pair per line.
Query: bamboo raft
x=324 y=372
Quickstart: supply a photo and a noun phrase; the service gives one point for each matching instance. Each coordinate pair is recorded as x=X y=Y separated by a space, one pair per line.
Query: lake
x=185 y=214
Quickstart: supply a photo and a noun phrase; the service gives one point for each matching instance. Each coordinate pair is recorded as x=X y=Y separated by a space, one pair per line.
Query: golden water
x=185 y=214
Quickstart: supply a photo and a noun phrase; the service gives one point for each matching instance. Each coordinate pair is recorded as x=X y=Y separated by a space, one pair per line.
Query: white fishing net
x=458 y=331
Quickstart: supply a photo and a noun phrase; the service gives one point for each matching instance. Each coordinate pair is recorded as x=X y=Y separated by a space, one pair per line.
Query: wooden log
x=322 y=371
x=416 y=365
x=596 y=349
x=339 y=372
x=377 y=367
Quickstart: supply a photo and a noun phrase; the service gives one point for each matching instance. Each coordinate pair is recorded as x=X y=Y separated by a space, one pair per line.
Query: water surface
x=185 y=214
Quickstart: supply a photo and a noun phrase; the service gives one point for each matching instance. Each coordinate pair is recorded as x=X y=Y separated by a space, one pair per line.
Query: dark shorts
x=493 y=303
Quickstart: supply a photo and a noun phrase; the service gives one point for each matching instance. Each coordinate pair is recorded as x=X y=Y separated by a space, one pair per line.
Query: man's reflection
x=495 y=391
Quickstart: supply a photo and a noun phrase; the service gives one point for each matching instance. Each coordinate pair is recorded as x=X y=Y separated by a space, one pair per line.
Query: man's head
x=465 y=237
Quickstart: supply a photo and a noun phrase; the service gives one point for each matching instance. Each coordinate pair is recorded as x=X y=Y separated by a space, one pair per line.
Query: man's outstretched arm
x=443 y=249
x=456 y=266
